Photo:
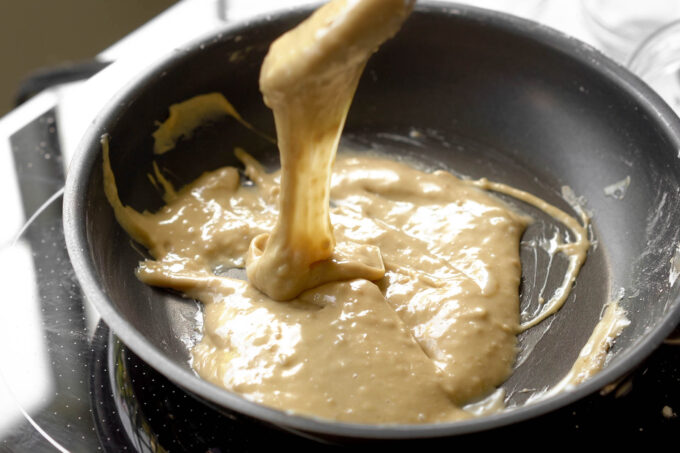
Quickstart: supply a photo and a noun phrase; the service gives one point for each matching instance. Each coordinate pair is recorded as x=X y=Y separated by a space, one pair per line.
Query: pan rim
x=82 y=166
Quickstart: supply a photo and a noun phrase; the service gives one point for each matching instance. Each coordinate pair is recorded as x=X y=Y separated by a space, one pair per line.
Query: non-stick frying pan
x=476 y=92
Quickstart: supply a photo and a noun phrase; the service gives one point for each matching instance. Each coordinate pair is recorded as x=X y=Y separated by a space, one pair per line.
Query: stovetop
x=68 y=384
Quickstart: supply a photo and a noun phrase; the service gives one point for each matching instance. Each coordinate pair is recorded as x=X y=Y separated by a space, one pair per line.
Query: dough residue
x=618 y=189
x=593 y=355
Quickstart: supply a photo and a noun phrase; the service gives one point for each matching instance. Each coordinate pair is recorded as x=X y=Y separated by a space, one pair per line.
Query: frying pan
x=477 y=92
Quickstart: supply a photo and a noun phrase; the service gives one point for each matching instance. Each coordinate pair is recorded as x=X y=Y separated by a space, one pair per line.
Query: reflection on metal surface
x=119 y=421
x=132 y=416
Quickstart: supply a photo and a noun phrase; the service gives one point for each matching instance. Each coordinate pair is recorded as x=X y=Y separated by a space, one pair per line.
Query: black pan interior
x=458 y=88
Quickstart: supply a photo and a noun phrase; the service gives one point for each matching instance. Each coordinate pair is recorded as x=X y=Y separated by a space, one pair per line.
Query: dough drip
x=308 y=79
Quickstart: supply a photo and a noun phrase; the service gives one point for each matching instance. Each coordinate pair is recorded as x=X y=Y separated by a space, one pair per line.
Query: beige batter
x=400 y=304
x=438 y=329
x=308 y=79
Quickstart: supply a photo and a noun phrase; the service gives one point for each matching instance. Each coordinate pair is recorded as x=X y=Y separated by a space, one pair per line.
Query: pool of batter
x=437 y=330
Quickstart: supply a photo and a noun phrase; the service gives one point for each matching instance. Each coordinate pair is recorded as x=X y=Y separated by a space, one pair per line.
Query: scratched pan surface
x=479 y=93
